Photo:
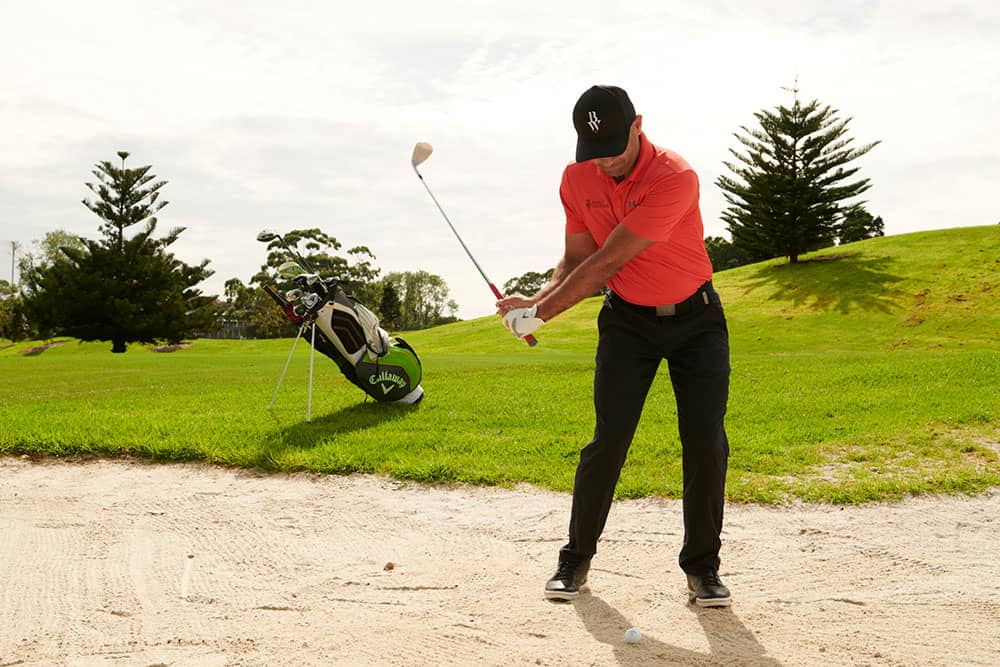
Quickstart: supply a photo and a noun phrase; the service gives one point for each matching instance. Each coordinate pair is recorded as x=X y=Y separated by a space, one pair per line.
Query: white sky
x=304 y=114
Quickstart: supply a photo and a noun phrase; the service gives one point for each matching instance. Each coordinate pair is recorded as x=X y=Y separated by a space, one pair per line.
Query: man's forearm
x=559 y=274
x=584 y=280
x=593 y=272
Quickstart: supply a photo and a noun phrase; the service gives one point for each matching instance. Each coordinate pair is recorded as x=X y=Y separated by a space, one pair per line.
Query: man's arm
x=578 y=248
x=592 y=273
x=583 y=270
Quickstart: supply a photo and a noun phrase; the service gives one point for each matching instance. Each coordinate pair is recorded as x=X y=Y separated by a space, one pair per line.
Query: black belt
x=698 y=300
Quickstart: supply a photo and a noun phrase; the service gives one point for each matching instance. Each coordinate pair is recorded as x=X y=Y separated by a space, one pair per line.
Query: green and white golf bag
x=385 y=368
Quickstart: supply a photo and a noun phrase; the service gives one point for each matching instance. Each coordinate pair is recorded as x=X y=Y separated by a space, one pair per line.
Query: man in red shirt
x=633 y=225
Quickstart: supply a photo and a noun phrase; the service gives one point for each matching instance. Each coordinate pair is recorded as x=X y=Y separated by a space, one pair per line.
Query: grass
x=866 y=372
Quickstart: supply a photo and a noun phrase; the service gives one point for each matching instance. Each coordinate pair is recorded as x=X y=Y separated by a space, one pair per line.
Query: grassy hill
x=865 y=371
x=938 y=288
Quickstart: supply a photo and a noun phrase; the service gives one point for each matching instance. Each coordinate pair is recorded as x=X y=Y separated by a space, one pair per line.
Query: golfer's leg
x=626 y=366
x=699 y=372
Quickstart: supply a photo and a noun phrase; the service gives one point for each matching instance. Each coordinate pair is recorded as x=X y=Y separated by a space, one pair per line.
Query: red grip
x=529 y=339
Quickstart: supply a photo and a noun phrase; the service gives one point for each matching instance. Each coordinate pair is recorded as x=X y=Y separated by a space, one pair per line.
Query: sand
x=126 y=563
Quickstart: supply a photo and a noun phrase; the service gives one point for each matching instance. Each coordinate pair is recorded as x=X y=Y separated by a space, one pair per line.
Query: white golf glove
x=522 y=321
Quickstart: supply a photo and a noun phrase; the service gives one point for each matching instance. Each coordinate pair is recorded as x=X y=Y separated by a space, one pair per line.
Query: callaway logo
x=594 y=121
x=386 y=380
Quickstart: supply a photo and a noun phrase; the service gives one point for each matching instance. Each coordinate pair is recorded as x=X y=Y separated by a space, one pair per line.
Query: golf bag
x=387 y=369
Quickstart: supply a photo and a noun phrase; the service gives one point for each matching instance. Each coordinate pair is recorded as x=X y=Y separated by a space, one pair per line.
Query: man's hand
x=512 y=301
x=522 y=321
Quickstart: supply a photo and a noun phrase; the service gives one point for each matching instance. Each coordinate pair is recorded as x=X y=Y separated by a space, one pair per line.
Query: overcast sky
x=304 y=114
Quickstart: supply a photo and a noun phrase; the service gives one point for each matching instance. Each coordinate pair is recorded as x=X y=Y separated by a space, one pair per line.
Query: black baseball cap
x=602 y=118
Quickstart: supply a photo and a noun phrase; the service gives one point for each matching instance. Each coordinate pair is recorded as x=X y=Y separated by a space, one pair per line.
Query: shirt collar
x=644 y=160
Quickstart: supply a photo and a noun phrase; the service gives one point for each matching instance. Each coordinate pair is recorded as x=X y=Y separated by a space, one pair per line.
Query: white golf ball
x=632 y=635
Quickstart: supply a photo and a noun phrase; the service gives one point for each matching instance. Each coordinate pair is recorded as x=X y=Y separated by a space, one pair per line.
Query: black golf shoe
x=707 y=590
x=566 y=582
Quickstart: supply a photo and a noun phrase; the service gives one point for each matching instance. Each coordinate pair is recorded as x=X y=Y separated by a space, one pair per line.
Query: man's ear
x=637 y=123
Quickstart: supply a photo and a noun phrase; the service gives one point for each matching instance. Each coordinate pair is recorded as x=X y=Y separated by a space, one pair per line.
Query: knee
x=704 y=436
x=605 y=450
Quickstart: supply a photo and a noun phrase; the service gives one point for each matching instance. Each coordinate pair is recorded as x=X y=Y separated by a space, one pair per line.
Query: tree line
x=791 y=189
x=403 y=300
x=126 y=286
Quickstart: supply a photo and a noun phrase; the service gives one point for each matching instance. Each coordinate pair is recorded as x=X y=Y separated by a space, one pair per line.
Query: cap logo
x=594 y=121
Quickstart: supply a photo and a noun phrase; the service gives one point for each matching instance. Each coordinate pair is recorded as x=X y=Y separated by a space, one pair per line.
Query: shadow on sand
x=730 y=642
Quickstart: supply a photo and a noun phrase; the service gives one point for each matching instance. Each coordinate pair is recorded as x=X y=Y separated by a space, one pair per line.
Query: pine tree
x=123 y=288
x=788 y=184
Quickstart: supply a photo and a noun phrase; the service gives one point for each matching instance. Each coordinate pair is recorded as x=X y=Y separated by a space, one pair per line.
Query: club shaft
x=529 y=339
x=297 y=256
x=312 y=359
x=457 y=236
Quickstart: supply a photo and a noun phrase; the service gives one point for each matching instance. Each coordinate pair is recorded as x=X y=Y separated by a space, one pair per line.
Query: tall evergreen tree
x=789 y=181
x=123 y=288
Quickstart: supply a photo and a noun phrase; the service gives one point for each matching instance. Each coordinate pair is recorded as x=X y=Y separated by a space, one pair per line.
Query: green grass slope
x=868 y=371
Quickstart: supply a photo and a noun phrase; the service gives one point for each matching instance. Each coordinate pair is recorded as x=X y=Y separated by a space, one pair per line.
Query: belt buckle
x=666 y=310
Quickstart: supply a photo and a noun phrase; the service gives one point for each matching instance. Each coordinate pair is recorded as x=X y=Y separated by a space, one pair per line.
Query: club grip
x=529 y=339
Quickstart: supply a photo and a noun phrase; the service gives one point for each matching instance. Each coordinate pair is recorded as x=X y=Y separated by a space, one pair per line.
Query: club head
x=290 y=270
x=421 y=152
x=267 y=236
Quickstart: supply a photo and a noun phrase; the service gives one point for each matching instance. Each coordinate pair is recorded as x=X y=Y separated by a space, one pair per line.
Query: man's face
x=619 y=166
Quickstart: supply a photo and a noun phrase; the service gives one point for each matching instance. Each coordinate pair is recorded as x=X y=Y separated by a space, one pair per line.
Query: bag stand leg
x=274 y=396
x=312 y=359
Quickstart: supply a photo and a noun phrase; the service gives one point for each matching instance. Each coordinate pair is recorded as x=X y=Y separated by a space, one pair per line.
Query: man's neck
x=628 y=172
x=631 y=168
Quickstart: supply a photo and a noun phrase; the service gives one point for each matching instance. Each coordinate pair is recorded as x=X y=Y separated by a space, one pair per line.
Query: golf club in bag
x=421 y=151
x=385 y=368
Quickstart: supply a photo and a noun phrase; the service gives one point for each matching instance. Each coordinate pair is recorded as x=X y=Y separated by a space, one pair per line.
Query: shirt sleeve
x=666 y=203
x=574 y=221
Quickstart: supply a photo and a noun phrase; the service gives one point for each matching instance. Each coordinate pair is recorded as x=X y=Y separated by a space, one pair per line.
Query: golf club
x=268 y=235
x=421 y=152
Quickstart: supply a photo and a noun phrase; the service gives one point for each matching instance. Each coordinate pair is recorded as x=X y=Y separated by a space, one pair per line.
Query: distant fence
x=227 y=329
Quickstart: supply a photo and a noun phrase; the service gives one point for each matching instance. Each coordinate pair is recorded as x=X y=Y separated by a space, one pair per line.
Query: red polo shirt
x=659 y=202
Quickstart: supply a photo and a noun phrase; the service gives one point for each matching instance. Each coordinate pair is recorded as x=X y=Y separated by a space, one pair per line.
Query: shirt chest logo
x=597 y=203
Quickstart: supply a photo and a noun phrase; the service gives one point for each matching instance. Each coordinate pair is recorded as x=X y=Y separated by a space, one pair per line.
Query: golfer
x=633 y=225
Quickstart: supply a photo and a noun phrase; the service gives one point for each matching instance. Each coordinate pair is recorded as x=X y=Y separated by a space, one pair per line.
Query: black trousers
x=633 y=341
